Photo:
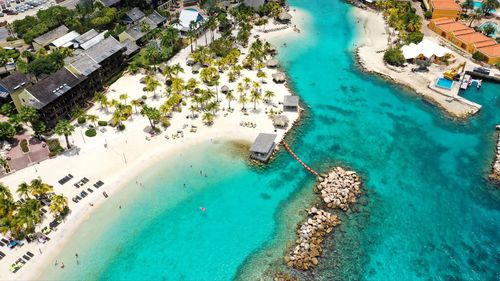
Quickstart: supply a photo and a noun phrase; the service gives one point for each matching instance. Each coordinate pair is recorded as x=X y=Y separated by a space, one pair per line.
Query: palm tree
x=152 y=114
x=5 y=192
x=243 y=100
x=136 y=103
x=39 y=188
x=4 y=164
x=24 y=190
x=208 y=118
x=59 y=205
x=255 y=97
x=29 y=215
x=193 y=109
x=230 y=97
x=268 y=95
x=92 y=118
x=213 y=106
x=262 y=75
x=124 y=97
x=151 y=86
x=64 y=128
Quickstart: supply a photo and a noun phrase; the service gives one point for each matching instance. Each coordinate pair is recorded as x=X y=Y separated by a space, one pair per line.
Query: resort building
x=136 y=31
x=12 y=84
x=291 y=103
x=109 y=3
x=56 y=95
x=44 y=40
x=466 y=38
x=65 y=41
x=263 y=146
x=254 y=3
x=443 y=8
x=133 y=16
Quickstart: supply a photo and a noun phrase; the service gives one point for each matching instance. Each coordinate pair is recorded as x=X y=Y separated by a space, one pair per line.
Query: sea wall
x=337 y=190
x=495 y=169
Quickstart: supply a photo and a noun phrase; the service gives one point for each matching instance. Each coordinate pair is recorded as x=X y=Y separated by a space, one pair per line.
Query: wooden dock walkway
x=285 y=144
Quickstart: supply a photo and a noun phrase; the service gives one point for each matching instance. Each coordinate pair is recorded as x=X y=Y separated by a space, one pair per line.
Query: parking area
x=12 y=10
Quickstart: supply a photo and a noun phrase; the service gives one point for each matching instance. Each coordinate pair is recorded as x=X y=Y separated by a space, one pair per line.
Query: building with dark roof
x=132 y=48
x=13 y=83
x=109 y=3
x=263 y=146
x=157 y=19
x=45 y=39
x=254 y=3
x=133 y=16
x=56 y=95
x=86 y=36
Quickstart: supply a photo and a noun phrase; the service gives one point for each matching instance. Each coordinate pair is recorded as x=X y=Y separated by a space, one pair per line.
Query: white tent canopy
x=186 y=17
x=425 y=48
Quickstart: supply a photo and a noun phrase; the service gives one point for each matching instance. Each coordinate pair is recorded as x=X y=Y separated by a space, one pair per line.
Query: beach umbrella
x=196 y=68
x=224 y=89
x=272 y=49
x=284 y=16
x=280 y=121
x=279 y=77
x=272 y=63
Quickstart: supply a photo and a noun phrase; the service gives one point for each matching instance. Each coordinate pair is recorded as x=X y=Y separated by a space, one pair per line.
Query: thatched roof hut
x=281 y=121
x=284 y=17
x=279 y=77
x=272 y=63
x=224 y=89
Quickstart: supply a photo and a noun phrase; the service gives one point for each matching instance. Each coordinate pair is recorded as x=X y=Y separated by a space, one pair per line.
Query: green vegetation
x=401 y=16
x=102 y=123
x=43 y=63
x=45 y=20
x=19 y=219
x=54 y=147
x=81 y=120
x=64 y=128
x=91 y=133
x=7 y=56
x=394 y=56
x=414 y=37
x=7 y=131
x=24 y=146
x=478 y=56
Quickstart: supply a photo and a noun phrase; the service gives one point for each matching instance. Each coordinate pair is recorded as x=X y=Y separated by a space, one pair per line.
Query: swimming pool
x=477 y=5
x=494 y=24
x=444 y=83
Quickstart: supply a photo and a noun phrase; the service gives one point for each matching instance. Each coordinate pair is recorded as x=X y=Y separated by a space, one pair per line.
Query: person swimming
x=203 y=209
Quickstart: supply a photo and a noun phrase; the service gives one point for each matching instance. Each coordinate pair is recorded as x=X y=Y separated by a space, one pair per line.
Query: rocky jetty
x=339 y=188
x=311 y=234
x=495 y=173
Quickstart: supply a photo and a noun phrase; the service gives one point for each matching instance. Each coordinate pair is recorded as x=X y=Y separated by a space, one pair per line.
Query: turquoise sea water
x=428 y=212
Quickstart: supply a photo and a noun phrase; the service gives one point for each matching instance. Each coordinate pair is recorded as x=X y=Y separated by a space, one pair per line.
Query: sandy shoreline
x=128 y=153
x=373 y=40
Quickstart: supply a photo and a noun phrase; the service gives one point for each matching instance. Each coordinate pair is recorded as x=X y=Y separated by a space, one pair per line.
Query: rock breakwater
x=311 y=234
x=338 y=190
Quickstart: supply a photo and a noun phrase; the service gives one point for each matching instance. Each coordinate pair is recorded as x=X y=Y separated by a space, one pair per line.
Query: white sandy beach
x=128 y=153
x=373 y=41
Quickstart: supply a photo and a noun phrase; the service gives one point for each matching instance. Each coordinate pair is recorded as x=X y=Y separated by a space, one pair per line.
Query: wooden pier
x=285 y=144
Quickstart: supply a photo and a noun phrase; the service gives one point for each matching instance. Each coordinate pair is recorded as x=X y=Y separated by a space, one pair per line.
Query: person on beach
x=120 y=207
x=62 y=265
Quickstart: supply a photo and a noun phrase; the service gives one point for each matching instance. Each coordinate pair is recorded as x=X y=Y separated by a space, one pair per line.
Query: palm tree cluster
x=402 y=16
x=20 y=218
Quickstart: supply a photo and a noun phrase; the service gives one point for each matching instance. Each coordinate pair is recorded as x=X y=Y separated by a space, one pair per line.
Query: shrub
x=54 y=147
x=428 y=15
x=24 y=146
x=165 y=123
x=144 y=97
x=478 y=56
x=121 y=127
x=102 y=123
x=91 y=133
x=81 y=120
x=394 y=56
x=414 y=37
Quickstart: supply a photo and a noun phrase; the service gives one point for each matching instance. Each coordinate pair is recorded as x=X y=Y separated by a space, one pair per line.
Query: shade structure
x=224 y=89
x=280 y=121
x=196 y=68
x=272 y=63
x=190 y=62
x=272 y=49
x=284 y=16
x=279 y=77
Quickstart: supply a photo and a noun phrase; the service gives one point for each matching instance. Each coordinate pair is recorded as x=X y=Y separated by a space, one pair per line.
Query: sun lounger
x=25 y=257
x=2 y=244
x=5 y=241
x=74 y=200
x=90 y=190
x=30 y=254
x=2 y=255
x=43 y=210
